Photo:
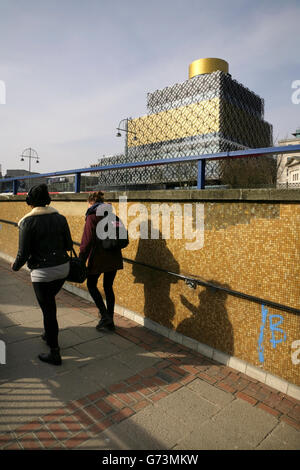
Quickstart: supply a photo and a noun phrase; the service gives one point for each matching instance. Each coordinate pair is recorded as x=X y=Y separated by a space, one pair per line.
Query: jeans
x=45 y=293
x=107 y=311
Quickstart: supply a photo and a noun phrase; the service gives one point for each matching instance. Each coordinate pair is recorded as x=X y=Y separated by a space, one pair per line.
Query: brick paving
x=83 y=419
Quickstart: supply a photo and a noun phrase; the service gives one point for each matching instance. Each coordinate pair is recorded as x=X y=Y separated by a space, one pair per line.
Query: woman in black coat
x=44 y=239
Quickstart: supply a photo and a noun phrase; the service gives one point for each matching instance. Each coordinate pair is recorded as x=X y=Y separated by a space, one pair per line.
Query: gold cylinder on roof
x=201 y=66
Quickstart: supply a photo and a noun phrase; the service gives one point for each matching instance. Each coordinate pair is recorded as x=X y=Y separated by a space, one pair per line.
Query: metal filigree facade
x=208 y=113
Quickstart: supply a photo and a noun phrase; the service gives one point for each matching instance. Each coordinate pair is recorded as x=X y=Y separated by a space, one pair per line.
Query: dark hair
x=38 y=196
x=97 y=196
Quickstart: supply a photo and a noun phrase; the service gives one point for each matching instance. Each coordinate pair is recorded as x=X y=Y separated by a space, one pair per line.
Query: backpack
x=111 y=231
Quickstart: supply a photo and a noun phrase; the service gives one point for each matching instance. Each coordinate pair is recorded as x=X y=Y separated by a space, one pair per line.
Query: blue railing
x=200 y=159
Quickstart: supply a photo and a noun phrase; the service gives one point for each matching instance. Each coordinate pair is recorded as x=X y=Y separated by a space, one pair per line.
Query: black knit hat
x=38 y=196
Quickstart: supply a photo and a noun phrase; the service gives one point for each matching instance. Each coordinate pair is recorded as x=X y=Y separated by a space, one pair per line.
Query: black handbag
x=78 y=271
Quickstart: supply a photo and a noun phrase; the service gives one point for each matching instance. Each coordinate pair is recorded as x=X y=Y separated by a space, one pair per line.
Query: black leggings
x=108 y=280
x=45 y=293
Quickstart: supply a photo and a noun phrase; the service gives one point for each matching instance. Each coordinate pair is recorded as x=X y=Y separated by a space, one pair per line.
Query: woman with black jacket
x=44 y=239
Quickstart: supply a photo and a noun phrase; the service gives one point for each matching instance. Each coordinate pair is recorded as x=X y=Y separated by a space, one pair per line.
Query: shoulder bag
x=78 y=271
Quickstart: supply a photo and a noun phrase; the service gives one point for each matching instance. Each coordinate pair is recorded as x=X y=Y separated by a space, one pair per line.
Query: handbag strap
x=74 y=252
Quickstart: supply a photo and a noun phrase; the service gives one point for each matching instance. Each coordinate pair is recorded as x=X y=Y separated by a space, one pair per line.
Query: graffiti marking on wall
x=264 y=313
x=274 y=327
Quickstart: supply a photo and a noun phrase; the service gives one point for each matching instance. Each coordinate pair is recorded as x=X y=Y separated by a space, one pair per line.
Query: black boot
x=106 y=324
x=52 y=358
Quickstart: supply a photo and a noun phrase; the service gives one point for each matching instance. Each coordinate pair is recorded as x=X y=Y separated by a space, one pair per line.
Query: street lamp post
x=126 y=130
x=30 y=153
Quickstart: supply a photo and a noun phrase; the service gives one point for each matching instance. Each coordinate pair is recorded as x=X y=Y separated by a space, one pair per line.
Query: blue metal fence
x=201 y=159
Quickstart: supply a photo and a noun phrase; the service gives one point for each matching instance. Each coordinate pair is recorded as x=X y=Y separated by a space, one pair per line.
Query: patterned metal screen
x=208 y=113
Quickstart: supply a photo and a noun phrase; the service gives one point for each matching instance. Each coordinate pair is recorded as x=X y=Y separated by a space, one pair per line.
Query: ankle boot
x=52 y=358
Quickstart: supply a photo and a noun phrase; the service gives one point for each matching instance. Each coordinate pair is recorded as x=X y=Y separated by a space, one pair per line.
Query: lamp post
x=30 y=153
x=126 y=130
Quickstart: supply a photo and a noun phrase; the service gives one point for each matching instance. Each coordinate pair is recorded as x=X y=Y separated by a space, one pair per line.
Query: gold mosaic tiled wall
x=251 y=247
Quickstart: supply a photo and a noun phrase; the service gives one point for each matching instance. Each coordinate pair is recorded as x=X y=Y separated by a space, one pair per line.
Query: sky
x=73 y=69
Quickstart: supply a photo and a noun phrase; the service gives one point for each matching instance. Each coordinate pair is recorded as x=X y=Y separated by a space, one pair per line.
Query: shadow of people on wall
x=209 y=322
x=158 y=305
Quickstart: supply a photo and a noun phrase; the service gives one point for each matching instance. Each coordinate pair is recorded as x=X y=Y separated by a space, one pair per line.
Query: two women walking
x=44 y=240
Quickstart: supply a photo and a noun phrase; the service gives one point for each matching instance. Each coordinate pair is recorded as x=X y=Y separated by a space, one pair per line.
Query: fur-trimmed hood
x=38 y=211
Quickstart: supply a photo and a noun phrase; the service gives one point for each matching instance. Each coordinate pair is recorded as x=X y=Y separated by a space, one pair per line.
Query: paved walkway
x=132 y=389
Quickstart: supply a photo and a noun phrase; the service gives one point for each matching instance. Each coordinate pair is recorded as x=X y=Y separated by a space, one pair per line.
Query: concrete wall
x=251 y=245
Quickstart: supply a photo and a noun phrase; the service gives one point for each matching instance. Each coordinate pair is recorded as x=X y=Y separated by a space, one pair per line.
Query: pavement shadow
x=92 y=361
x=209 y=322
